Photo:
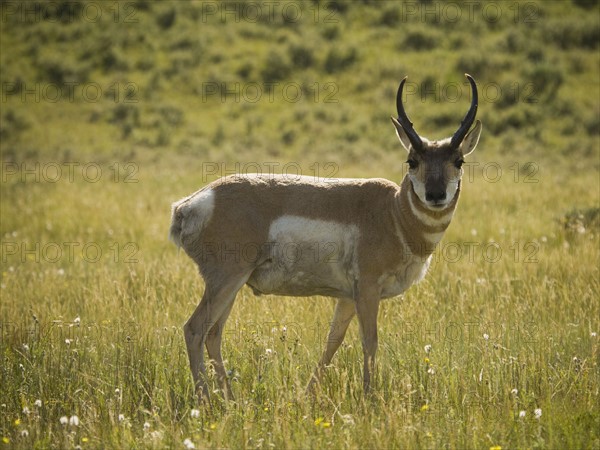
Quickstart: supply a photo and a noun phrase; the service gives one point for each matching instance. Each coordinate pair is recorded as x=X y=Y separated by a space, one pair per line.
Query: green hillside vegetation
x=110 y=111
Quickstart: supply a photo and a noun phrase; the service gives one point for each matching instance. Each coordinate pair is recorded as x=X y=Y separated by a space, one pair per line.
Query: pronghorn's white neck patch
x=427 y=220
x=433 y=238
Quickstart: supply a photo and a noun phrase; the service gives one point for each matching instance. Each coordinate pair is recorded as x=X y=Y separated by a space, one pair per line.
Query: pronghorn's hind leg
x=213 y=346
x=344 y=312
x=212 y=311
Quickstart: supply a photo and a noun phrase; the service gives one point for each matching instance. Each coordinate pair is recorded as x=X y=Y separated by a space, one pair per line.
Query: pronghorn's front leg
x=344 y=312
x=367 y=307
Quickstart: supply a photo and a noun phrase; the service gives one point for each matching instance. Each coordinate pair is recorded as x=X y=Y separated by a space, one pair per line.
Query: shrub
x=338 y=60
x=581 y=221
x=59 y=70
x=301 y=55
x=546 y=80
x=390 y=16
x=112 y=59
x=170 y=115
x=276 y=68
x=126 y=116
x=592 y=124
x=245 y=70
x=482 y=64
x=420 y=40
x=330 y=32
x=574 y=33
x=13 y=123
x=166 y=19
x=64 y=11
x=338 y=6
x=585 y=4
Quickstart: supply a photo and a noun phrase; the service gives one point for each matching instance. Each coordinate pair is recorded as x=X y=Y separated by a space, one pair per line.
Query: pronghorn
x=378 y=236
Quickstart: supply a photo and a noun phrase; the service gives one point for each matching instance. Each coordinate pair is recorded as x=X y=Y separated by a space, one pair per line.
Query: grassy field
x=110 y=111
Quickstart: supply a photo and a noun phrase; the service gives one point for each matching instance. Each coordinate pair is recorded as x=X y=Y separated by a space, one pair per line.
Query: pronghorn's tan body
x=313 y=237
x=359 y=240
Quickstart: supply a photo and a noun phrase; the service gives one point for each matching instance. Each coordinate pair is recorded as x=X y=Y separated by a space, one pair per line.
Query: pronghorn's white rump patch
x=190 y=215
x=428 y=220
x=308 y=257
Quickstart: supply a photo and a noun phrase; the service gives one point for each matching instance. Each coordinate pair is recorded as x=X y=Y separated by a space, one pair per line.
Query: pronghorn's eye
x=459 y=162
x=412 y=163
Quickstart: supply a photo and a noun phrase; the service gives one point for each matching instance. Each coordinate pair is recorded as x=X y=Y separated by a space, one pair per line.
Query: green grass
x=98 y=335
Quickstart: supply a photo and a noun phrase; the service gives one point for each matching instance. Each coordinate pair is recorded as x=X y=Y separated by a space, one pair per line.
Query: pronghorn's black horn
x=469 y=117
x=403 y=119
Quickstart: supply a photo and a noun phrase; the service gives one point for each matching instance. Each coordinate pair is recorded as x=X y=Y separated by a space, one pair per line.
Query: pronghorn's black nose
x=435 y=196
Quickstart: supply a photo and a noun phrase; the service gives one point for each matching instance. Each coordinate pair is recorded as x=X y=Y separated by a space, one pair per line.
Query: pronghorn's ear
x=401 y=134
x=471 y=139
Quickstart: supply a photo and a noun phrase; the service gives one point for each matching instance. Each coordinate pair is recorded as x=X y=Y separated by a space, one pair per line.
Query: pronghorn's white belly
x=308 y=257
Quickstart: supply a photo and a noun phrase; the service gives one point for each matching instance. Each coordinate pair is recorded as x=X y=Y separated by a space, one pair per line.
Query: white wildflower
x=68 y=341
x=514 y=391
x=37 y=403
x=77 y=320
x=121 y=417
x=593 y=334
x=26 y=410
x=189 y=444
x=427 y=348
x=486 y=336
x=74 y=421
x=522 y=414
x=146 y=426
x=269 y=351
x=195 y=413
x=26 y=347
x=64 y=420
x=155 y=435
x=24 y=433
x=537 y=413
x=348 y=419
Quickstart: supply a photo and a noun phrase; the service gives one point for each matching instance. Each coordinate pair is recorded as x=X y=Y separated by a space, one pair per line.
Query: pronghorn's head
x=435 y=166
